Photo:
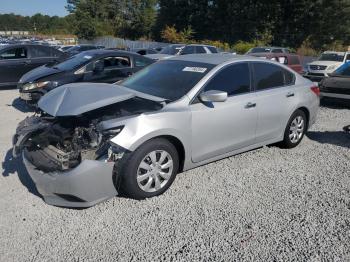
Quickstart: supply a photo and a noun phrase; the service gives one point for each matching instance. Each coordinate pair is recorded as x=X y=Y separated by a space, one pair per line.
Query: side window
x=116 y=62
x=141 y=62
x=15 y=53
x=212 y=49
x=277 y=51
x=348 y=57
x=234 y=79
x=200 y=50
x=289 y=77
x=40 y=51
x=188 y=50
x=267 y=76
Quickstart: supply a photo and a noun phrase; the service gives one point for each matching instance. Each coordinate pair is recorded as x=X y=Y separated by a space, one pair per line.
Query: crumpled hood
x=78 y=98
x=37 y=73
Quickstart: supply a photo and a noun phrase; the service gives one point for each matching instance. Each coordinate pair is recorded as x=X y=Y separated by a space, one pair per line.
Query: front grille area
x=318 y=67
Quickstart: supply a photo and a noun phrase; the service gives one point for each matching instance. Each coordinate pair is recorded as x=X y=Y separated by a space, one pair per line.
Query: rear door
x=222 y=127
x=14 y=62
x=275 y=99
x=41 y=55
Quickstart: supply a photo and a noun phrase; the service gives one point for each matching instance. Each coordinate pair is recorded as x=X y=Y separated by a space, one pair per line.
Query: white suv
x=327 y=63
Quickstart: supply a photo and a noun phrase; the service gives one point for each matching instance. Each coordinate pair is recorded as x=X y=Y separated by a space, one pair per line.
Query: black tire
x=130 y=163
x=287 y=142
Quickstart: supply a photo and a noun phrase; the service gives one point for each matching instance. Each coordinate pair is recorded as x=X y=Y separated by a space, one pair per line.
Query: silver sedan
x=94 y=141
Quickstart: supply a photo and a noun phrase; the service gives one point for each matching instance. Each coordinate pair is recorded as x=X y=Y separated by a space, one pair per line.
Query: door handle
x=129 y=74
x=290 y=94
x=250 y=105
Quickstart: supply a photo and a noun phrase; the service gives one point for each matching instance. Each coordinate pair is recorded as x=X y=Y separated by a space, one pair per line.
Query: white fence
x=111 y=42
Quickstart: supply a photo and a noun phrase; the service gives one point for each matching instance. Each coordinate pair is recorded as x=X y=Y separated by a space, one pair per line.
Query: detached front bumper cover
x=90 y=183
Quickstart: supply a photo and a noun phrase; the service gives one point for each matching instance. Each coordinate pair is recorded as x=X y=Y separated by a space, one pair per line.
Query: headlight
x=332 y=67
x=31 y=86
x=110 y=133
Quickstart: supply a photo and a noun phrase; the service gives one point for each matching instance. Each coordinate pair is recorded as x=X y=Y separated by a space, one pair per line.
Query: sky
x=31 y=7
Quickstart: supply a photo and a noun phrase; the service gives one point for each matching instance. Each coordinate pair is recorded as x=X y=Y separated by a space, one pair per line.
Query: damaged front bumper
x=91 y=182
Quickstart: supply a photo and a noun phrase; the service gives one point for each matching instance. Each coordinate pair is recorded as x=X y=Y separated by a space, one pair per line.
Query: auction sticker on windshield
x=195 y=69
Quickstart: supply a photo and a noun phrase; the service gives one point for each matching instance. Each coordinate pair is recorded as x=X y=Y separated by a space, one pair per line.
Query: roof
x=199 y=45
x=97 y=52
x=334 y=52
x=214 y=59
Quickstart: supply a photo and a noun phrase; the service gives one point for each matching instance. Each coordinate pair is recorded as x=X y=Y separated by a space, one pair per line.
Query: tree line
x=293 y=23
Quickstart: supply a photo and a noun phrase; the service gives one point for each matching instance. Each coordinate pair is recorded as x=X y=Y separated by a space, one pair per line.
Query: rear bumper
x=334 y=95
x=88 y=184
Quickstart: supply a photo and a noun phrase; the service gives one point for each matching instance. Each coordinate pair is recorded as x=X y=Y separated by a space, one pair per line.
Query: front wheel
x=295 y=129
x=150 y=170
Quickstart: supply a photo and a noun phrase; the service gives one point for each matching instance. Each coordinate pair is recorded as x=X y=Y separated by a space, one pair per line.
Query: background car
x=18 y=59
x=326 y=64
x=174 y=115
x=167 y=52
x=183 y=50
x=144 y=51
x=267 y=49
x=81 y=48
x=105 y=66
x=290 y=60
x=337 y=85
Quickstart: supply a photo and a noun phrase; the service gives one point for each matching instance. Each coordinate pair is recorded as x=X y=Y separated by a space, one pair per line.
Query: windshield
x=260 y=50
x=73 y=62
x=171 y=50
x=332 y=57
x=344 y=70
x=168 y=79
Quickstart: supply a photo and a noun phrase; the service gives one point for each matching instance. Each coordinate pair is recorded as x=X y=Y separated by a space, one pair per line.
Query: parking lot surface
x=268 y=204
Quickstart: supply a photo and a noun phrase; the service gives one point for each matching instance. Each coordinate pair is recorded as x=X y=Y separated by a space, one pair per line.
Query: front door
x=222 y=127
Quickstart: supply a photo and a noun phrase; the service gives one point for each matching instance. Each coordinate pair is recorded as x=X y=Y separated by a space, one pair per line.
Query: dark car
x=18 y=59
x=337 y=85
x=81 y=48
x=104 y=66
x=290 y=60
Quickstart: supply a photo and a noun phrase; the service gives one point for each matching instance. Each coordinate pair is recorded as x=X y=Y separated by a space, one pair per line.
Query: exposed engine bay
x=61 y=143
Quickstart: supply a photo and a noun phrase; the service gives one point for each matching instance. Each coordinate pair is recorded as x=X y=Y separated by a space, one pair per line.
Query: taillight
x=316 y=90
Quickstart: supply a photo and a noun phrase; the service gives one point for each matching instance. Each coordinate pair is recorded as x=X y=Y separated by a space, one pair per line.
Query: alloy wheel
x=296 y=129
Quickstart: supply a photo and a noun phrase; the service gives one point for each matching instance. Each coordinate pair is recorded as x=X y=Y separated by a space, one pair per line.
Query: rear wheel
x=150 y=170
x=295 y=129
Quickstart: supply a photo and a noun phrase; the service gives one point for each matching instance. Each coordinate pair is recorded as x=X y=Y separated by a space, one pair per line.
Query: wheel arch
x=307 y=114
x=179 y=148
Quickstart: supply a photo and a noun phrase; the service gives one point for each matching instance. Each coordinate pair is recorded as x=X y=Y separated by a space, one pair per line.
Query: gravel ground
x=269 y=204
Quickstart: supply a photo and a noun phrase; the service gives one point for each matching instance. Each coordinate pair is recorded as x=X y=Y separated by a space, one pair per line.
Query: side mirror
x=99 y=67
x=213 y=96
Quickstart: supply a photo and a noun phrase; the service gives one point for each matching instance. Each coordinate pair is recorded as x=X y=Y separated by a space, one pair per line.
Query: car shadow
x=338 y=138
x=12 y=165
x=22 y=106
